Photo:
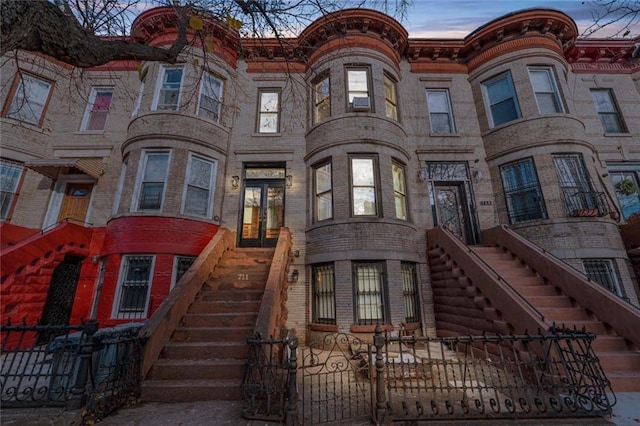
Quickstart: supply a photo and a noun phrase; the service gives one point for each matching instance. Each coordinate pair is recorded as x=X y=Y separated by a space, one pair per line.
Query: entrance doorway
x=452 y=199
x=75 y=203
x=262 y=213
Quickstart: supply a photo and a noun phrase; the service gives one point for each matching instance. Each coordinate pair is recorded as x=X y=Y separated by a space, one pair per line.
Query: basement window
x=134 y=287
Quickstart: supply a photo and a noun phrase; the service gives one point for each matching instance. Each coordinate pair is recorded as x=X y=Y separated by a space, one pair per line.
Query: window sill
x=444 y=135
x=329 y=328
x=617 y=135
x=263 y=135
x=89 y=132
x=355 y=328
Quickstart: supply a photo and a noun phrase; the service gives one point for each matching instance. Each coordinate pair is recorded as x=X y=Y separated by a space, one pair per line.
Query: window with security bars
x=181 y=265
x=410 y=292
x=368 y=278
x=603 y=272
x=324 y=301
x=522 y=191
x=135 y=282
x=575 y=184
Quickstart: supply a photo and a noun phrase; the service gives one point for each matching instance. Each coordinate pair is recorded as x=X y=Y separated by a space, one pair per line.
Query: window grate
x=370 y=305
x=134 y=287
x=182 y=265
x=324 y=304
x=602 y=272
x=522 y=191
x=410 y=292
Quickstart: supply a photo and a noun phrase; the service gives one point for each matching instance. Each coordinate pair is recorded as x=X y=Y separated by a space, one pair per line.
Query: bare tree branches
x=616 y=18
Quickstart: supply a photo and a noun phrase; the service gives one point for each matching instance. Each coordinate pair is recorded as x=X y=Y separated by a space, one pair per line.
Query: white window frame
x=488 y=104
x=448 y=112
x=159 y=89
x=216 y=99
x=142 y=165
x=321 y=100
x=176 y=263
x=354 y=186
x=352 y=93
x=319 y=194
x=267 y=114
x=390 y=97
x=23 y=107
x=118 y=194
x=9 y=186
x=612 y=111
x=89 y=111
x=210 y=188
x=555 y=92
x=400 y=190
x=116 y=312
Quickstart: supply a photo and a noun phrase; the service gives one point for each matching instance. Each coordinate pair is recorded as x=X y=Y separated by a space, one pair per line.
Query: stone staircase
x=618 y=357
x=207 y=353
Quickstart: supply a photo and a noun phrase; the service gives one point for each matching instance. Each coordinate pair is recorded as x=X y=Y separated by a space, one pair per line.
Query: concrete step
x=607 y=343
x=197 y=369
x=223 y=306
x=564 y=315
x=538 y=290
x=519 y=281
x=191 y=390
x=619 y=360
x=211 y=334
x=229 y=295
x=542 y=302
x=624 y=381
x=591 y=326
x=234 y=284
x=219 y=320
x=206 y=350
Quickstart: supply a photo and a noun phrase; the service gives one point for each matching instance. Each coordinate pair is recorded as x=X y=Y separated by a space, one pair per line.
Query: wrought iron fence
x=408 y=378
x=75 y=366
x=585 y=203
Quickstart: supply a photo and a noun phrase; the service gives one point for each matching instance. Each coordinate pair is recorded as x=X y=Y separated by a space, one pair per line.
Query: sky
x=458 y=18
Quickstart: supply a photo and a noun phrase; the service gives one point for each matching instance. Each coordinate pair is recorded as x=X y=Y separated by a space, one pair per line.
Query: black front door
x=262 y=213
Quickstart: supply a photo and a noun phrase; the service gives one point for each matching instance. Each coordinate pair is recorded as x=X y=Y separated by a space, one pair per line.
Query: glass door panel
x=262 y=214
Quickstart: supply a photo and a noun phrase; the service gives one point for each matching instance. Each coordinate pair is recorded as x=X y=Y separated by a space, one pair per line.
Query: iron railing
x=74 y=366
x=408 y=378
x=585 y=203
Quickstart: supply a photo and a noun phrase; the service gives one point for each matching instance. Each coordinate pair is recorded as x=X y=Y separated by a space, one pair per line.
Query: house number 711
x=243 y=277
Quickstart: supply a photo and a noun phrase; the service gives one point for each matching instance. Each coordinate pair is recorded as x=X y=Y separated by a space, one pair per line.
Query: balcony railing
x=585 y=203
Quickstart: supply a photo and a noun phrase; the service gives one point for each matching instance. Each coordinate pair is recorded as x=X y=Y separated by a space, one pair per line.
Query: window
x=168 y=91
x=269 y=111
x=95 y=117
x=210 y=97
x=29 y=99
x=390 y=99
x=546 y=90
x=10 y=174
x=522 y=191
x=154 y=176
x=440 y=113
x=602 y=271
x=324 y=298
x=118 y=195
x=135 y=283
x=198 y=191
x=627 y=186
x=410 y=292
x=399 y=191
x=501 y=100
x=321 y=100
x=363 y=187
x=323 y=191
x=181 y=265
x=368 y=278
x=358 y=87
x=576 y=187
x=608 y=111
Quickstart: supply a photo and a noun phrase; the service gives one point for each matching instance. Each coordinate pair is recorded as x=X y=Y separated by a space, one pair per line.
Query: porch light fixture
x=422 y=175
x=289 y=180
x=235 y=180
x=294 y=276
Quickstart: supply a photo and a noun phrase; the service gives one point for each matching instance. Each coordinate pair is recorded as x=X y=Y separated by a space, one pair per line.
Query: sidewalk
x=227 y=413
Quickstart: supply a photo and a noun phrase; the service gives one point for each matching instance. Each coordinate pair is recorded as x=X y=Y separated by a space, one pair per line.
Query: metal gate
x=62 y=291
x=335 y=380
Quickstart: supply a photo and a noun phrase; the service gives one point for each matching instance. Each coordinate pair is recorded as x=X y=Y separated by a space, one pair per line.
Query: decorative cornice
x=604 y=55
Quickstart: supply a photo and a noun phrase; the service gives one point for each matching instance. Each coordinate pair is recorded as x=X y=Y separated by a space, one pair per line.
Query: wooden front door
x=76 y=202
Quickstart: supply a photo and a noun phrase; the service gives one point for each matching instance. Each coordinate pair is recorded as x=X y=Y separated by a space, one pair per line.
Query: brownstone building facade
x=354 y=136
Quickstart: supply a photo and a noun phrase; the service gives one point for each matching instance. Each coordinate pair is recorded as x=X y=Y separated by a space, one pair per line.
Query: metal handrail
x=498 y=276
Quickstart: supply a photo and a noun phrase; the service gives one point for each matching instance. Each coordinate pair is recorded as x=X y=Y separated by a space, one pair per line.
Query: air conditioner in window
x=361 y=103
